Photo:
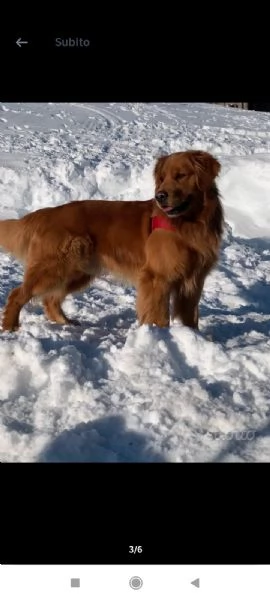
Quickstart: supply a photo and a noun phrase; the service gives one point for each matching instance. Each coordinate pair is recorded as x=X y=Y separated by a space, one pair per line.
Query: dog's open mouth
x=175 y=211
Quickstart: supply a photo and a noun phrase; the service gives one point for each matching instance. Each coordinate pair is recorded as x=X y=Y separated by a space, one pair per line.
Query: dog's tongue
x=168 y=209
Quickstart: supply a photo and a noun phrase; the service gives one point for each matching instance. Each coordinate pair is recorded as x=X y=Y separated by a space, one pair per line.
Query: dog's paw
x=9 y=325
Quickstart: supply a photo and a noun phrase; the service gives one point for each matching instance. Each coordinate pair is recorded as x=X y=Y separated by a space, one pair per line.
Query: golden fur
x=65 y=247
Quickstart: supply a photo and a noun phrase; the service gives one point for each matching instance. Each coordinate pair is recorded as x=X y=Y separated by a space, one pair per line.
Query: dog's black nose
x=161 y=197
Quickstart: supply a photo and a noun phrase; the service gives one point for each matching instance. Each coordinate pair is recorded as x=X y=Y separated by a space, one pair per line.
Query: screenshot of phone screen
x=134 y=318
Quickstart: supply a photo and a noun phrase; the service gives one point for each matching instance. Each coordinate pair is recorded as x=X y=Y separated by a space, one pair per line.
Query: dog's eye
x=179 y=176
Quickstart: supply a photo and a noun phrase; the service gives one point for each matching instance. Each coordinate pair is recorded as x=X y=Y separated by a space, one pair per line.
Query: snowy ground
x=109 y=391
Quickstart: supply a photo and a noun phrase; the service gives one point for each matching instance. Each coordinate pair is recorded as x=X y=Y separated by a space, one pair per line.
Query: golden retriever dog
x=165 y=246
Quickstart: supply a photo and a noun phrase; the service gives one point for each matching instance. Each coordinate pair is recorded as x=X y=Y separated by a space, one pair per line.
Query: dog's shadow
x=105 y=440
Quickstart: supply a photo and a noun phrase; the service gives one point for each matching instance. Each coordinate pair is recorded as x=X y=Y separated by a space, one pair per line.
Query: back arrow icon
x=196 y=582
x=20 y=42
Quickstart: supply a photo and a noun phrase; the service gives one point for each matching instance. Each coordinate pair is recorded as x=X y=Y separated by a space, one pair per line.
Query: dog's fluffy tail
x=12 y=237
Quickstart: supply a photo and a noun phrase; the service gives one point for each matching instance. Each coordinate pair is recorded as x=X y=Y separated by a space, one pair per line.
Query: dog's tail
x=13 y=238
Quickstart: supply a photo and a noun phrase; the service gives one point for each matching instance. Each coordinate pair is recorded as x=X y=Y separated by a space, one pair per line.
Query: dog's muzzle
x=172 y=211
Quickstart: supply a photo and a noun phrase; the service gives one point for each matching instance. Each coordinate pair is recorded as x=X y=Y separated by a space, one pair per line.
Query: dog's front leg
x=165 y=263
x=153 y=299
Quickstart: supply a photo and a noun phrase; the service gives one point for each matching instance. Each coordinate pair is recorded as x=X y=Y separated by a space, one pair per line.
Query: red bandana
x=160 y=222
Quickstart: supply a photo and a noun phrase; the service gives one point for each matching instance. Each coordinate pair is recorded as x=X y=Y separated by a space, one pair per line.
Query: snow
x=109 y=391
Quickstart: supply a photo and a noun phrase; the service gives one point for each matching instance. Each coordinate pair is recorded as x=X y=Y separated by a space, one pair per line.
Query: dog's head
x=181 y=178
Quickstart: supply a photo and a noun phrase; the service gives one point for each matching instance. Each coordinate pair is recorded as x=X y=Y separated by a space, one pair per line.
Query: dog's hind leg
x=53 y=309
x=38 y=281
x=51 y=277
x=52 y=302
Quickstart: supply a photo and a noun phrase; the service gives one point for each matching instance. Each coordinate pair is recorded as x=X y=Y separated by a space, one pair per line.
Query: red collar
x=160 y=222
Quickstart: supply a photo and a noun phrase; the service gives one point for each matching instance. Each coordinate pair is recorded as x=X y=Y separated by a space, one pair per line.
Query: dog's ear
x=158 y=166
x=206 y=168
